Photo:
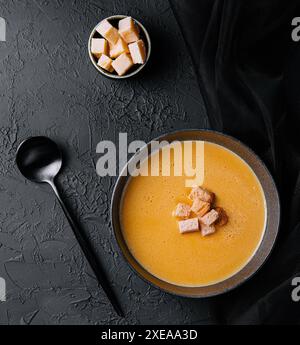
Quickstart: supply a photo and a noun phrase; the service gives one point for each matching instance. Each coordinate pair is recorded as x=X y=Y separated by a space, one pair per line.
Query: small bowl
x=144 y=35
x=271 y=227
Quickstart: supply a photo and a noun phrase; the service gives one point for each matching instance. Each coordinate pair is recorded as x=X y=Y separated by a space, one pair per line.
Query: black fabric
x=248 y=70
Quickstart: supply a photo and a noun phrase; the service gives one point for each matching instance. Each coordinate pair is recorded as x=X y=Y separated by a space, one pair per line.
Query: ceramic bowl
x=272 y=217
x=136 y=68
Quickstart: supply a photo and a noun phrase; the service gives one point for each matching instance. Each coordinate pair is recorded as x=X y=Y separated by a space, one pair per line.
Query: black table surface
x=49 y=87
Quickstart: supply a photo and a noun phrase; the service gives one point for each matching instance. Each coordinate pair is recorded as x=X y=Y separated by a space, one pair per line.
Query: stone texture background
x=49 y=87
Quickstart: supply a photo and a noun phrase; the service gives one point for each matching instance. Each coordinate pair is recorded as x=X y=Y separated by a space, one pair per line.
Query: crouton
x=202 y=194
x=188 y=225
x=182 y=211
x=207 y=229
x=200 y=207
x=223 y=217
x=210 y=217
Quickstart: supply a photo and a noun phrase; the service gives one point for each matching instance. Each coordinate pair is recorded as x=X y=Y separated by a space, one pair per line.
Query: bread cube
x=210 y=217
x=223 y=218
x=122 y=63
x=138 y=52
x=128 y=30
x=99 y=46
x=109 y=32
x=117 y=49
x=188 y=225
x=200 y=207
x=207 y=229
x=106 y=63
x=182 y=211
x=202 y=194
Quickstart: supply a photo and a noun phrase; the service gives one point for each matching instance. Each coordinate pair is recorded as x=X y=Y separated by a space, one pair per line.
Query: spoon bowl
x=39 y=159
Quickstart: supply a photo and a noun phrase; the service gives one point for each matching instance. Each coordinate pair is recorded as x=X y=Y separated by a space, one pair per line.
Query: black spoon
x=39 y=159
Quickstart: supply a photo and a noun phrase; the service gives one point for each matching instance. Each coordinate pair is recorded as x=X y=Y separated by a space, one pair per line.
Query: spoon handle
x=88 y=252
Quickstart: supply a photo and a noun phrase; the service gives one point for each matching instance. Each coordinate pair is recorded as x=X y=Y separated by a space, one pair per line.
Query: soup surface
x=151 y=232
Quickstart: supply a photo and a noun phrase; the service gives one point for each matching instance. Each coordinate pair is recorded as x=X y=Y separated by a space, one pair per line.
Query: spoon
x=39 y=159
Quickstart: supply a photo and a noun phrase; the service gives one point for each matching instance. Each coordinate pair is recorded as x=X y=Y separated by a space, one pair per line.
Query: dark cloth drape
x=248 y=69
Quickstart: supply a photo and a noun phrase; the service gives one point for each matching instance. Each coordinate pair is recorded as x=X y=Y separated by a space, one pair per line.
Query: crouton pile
x=119 y=48
x=202 y=215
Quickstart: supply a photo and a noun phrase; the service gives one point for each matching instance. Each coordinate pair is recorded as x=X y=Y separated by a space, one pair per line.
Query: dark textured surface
x=49 y=87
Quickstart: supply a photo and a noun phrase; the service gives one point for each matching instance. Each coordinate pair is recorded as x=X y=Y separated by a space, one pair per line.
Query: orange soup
x=151 y=232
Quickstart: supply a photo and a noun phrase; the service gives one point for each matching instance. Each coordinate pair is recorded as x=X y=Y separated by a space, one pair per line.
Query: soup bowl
x=272 y=211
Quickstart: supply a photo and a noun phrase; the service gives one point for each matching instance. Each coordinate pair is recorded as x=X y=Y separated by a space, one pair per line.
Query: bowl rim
x=261 y=254
x=137 y=70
